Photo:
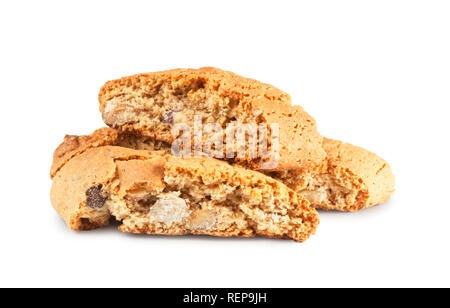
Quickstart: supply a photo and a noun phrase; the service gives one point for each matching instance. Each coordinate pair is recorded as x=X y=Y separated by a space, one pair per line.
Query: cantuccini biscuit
x=350 y=179
x=74 y=145
x=152 y=104
x=156 y=193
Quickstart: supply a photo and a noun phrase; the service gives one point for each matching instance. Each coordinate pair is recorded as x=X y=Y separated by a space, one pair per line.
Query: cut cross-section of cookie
x=350 y=179
x=155 y=193
x=153 y=104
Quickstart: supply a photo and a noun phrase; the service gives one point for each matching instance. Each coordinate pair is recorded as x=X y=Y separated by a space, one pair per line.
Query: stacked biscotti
x=209 y=152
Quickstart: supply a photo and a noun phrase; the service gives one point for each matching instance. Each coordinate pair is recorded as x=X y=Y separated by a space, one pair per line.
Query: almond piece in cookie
x=155 y=193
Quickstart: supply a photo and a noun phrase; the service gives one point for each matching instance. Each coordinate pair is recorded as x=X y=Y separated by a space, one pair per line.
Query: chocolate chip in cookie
x=94 y=197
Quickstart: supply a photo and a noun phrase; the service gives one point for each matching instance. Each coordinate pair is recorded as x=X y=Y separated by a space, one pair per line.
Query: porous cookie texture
x=151 y=104
x=155 y=193
x=350 y=179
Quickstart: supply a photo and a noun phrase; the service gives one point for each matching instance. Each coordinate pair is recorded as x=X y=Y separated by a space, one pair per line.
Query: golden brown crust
x=300 y=142
x=74 y=145
x=370 y=175
x=364 y=178
x=224 y=81
x=128 y=173
x=351 y=179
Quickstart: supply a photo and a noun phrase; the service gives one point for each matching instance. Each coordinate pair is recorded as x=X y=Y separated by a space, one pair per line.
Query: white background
x=373 y=73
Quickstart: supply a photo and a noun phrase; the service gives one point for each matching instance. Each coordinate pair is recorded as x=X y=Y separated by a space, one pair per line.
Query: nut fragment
x=316 y=197
x=202 y=220
x=94 y=197
x=169 y=116
x=169 y=209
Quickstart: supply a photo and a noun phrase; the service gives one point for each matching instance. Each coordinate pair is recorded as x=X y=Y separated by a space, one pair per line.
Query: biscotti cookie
x=75 y=145
x=350 y=179
x=155 y=193
x=153 y=104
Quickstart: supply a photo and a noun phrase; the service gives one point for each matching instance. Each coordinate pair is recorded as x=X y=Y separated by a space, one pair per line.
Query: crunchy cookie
x=75 y=145
x=350 y=179
x=155 y=193
x=151 y=104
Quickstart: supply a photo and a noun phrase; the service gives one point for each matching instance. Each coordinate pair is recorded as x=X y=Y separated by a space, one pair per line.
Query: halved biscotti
x=350 y=179
x=155 y=193
x=152 y=104
x=74 y=145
